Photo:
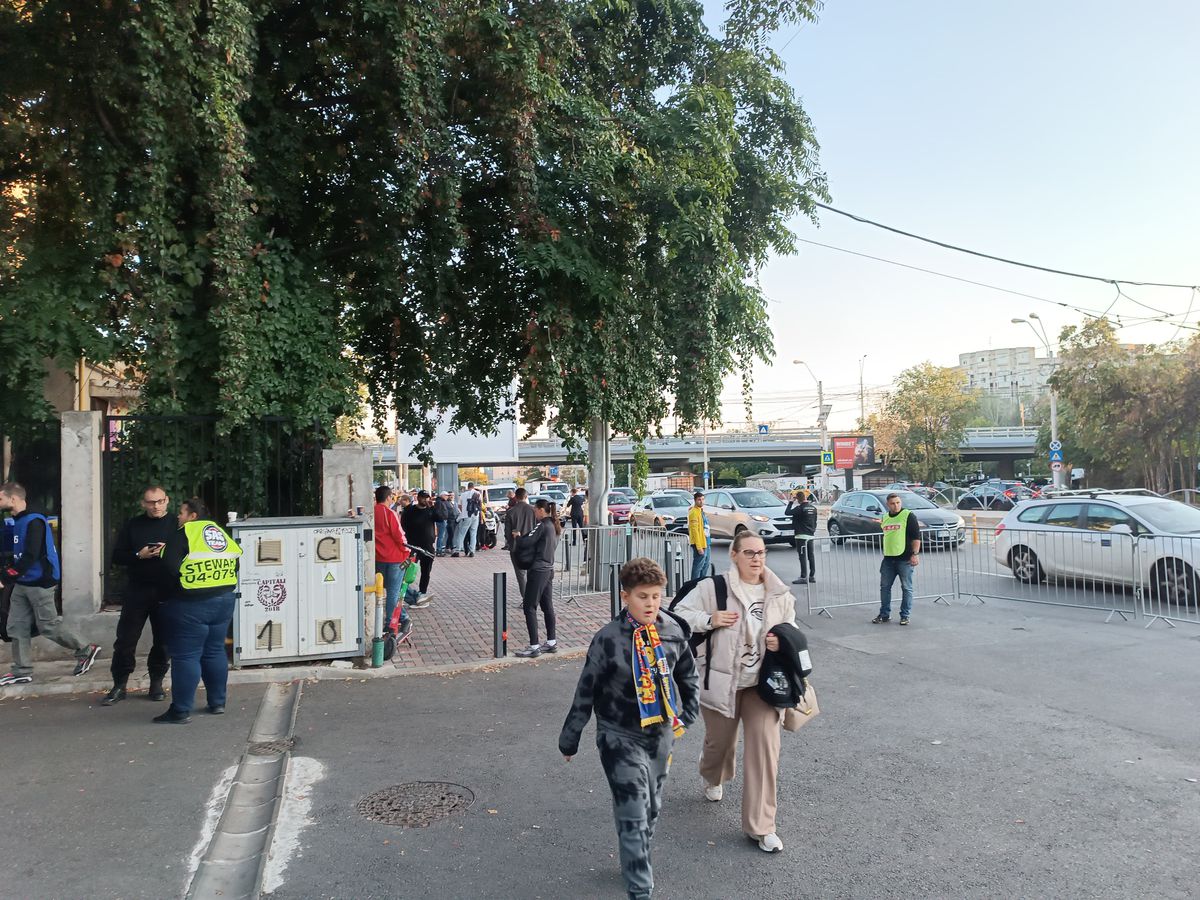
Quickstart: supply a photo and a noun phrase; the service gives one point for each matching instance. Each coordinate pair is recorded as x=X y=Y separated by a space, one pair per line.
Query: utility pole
x=1059 y=477
x=822 y=420
x=705 y=477
x=862 y=406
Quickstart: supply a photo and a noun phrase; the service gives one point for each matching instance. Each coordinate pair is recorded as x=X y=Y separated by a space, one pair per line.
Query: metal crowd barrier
x=1145 y=577
x=1090 y=570
x=848 y=574
x=1168 y=585
x=586 y=558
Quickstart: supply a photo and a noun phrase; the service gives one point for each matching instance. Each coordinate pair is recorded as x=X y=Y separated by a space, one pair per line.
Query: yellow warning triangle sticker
x=328 y=577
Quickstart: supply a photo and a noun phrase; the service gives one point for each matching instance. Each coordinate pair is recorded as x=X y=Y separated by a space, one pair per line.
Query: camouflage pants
x=636 y=768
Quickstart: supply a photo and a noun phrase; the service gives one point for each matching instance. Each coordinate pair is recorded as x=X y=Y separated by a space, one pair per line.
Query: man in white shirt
x=470 y=505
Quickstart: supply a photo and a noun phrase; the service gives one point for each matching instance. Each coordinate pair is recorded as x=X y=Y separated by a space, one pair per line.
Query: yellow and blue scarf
x=652 y=678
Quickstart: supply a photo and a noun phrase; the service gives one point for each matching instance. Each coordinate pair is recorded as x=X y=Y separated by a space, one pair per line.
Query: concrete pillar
x=1006 y=467
x=346 y=474
x=82 y=523
x=447 y=477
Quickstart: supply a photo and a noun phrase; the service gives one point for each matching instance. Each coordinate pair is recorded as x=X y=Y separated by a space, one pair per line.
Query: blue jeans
x=888 y=570
x=393 y=580
x=700 y=563
x=196 y=631
x=464 y=534
x=443 y=534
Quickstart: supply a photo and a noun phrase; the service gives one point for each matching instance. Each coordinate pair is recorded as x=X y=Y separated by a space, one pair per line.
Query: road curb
x=70 y=685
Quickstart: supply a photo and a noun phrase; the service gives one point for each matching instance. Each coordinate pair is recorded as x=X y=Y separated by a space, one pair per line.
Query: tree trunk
x=598 y=473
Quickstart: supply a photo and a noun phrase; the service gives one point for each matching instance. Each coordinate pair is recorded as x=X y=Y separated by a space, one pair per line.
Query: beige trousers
x=760 y=756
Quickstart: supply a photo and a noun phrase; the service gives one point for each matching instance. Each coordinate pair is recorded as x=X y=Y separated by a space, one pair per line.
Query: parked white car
x=1113 y=538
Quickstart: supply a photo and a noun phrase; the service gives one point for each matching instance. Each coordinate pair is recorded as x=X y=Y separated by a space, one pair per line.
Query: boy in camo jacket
x=640 y=679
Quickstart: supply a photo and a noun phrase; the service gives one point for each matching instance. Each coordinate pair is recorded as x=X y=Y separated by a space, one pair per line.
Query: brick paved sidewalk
x=457 y=627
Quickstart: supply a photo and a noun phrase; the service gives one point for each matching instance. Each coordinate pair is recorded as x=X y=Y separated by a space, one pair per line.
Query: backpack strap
x=721 y=589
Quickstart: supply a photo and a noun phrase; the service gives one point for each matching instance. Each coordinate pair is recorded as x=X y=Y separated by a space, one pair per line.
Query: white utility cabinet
x=300 y=590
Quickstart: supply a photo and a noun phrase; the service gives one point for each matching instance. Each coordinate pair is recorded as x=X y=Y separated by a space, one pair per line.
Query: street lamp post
x=1059 y=477
x=822 y=421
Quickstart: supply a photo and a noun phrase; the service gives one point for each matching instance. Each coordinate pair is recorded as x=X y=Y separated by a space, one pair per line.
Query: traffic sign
x=554 y=470
x=1056 y=465
x=827 y=457
x=764 y=429
x=1056 y=445
x=1056 y=456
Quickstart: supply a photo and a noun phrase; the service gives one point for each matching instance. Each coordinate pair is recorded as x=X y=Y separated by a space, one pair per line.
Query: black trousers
x=808 y=560
x=539 y=591
x=426 y=563
x=142 y=603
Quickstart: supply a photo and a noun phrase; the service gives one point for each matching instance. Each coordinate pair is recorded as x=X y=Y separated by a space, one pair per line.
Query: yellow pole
x=80 y=369
x=974 y=528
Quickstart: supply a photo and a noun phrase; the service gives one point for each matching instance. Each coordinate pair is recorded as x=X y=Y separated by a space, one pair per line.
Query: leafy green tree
x=730 y=475
x=641 y=469
x=922 y=420
x=258 y=206
x=1136 y=411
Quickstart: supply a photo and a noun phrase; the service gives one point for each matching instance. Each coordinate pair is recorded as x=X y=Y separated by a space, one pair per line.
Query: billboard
x=853 y=452
x=463 y=447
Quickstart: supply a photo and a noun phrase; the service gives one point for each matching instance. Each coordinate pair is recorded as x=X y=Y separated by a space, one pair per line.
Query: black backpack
x=474 y=507
x=695 y=641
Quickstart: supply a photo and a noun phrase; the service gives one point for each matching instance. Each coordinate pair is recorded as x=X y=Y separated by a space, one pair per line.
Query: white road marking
x=212 y=815
x=295 y=810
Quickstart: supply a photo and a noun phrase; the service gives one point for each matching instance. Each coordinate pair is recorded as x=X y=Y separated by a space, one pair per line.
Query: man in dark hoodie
x=640 y=680
x=420 y=528
x=804 y=523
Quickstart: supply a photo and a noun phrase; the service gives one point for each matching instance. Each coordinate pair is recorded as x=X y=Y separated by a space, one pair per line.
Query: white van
x=495 y=496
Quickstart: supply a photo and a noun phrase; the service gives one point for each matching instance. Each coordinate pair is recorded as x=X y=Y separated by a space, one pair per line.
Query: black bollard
x=499 y=615
x=614 y=589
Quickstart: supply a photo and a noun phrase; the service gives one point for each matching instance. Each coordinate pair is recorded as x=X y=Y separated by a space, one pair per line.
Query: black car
x=1001 y=495
x=857 y=515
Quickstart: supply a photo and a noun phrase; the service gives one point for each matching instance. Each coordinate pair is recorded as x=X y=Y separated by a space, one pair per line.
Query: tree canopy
x=922 y=420
x=1134 y=411
x=259 y=205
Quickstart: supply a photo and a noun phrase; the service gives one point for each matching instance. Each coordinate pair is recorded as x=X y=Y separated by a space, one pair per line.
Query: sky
x=1058 y=133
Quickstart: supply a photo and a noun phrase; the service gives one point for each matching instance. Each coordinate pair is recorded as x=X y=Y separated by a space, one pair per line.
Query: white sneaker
x=714 y=792
x=770 y=843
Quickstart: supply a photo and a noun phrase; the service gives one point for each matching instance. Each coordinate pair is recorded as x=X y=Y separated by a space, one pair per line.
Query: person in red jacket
x=391 y=556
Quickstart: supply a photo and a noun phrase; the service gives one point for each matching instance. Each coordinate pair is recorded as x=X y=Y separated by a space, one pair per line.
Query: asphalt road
x=998 y=750
x=103 y=803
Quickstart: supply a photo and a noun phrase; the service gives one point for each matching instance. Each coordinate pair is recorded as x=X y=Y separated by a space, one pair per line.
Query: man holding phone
x=137 y=548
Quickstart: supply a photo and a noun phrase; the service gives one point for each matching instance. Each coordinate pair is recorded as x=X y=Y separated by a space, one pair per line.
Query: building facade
x=1017 y=373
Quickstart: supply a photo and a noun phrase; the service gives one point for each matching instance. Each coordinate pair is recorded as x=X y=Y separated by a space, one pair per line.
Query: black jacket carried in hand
x=781 y=679
x=606 y=684
x=804 y=516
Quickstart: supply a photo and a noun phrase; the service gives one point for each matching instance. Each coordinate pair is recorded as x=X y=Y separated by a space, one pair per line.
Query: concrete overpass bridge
x=790 y=448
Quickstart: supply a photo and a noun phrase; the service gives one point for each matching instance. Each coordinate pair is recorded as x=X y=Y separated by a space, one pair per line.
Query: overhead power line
x=1002 y=259
x=1094 y=313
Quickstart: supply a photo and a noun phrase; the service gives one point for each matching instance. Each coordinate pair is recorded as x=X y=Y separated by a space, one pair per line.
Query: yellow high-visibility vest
x=212 y=557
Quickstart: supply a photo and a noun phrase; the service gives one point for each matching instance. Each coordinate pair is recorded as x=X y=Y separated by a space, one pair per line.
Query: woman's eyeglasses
x=753 y=554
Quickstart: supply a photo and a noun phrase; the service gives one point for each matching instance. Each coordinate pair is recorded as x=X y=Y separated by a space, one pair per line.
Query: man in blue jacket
x=35 y=572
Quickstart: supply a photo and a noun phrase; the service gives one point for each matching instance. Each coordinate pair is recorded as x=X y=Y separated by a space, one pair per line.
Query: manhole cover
x=270 y=748
x=417 y=804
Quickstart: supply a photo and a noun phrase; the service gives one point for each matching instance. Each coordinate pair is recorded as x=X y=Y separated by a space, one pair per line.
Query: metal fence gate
x=268 y=467
x=1147 y=577
x=587 y=558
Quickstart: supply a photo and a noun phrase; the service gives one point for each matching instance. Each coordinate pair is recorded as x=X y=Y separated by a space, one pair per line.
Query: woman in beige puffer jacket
x=758 y=600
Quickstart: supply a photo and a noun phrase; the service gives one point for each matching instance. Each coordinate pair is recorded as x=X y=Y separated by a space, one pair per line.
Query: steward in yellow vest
x=203 y=562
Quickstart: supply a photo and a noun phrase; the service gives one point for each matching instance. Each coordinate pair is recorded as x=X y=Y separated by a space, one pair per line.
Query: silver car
x=730 y=510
